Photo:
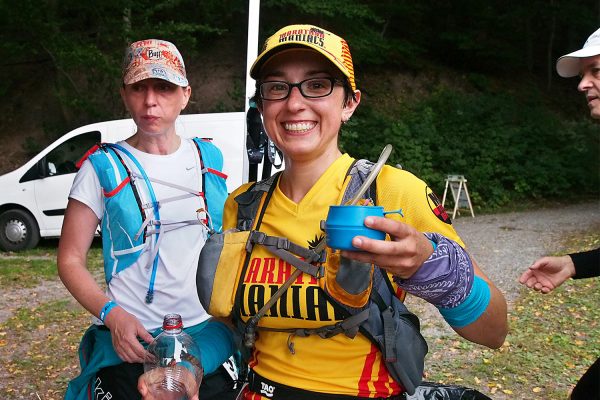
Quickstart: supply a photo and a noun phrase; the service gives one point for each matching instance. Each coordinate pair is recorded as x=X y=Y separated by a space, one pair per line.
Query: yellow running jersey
x=338 y=365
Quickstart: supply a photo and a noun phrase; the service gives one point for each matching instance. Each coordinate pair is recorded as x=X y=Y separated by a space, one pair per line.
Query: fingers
x=125 y=330
x=156 y=376
x=539 y=263
x=130 y=351
x=145 y=335
x=142 y=387
x=394 y=228
x=536 y=283
x=525 y=276
x=402 y=255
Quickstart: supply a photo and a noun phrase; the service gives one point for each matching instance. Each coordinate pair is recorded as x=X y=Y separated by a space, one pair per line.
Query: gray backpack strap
x=348 y=326
x=285 y=249
x=249 y=201
x=359 y=171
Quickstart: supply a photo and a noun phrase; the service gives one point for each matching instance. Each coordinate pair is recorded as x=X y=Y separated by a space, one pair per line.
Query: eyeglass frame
x=299 y=86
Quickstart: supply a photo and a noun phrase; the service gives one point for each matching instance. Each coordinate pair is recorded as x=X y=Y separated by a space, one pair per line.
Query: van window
x=62 y=159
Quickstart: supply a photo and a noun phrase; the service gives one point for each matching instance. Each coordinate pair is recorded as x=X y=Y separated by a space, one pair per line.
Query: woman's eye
x=319 y=85
x=164 y=87
x=278 y=87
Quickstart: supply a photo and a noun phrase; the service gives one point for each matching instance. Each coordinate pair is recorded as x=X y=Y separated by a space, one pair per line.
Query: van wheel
x=18 y=231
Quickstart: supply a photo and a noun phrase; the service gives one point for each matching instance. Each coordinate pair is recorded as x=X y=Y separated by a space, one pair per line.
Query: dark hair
x=348 y=93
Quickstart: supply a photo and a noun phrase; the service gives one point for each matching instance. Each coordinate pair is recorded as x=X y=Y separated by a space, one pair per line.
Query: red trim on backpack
x=86 y=155
x=117 y=189
x=216 y=172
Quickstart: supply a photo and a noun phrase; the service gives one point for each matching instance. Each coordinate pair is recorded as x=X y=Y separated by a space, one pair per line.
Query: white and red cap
x=153 y=58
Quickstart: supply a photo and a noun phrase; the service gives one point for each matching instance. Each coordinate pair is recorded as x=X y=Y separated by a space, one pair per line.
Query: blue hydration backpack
x=131 y=209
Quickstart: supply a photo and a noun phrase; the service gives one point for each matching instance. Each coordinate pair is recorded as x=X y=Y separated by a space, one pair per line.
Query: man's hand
x=548 y=273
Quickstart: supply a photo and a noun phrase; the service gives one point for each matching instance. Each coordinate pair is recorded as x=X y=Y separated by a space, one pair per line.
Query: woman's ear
x=350 y=106
x=187 y=93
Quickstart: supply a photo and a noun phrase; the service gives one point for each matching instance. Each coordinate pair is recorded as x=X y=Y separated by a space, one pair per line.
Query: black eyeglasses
x=312 y=88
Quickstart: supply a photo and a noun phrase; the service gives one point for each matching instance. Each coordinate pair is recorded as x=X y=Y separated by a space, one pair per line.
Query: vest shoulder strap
x=210 y=155
x=249 y=202
x=358 y=172
x=213 y=180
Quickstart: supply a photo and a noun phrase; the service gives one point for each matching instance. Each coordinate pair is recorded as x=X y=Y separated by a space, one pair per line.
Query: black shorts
x=119 y=382
x=588 y=387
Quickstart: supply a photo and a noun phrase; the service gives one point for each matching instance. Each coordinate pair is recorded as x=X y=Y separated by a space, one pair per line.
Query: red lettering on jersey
x=252 y=274
x=267 y=272
x=284 y=271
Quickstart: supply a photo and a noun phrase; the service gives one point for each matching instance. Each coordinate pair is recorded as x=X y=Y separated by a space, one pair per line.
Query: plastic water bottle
x=172 y=362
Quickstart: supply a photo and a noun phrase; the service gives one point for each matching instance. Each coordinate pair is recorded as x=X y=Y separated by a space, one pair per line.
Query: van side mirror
x=45 y=168
x=51 y=169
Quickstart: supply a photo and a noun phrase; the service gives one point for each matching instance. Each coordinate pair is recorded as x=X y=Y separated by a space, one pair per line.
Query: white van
x=34 y=197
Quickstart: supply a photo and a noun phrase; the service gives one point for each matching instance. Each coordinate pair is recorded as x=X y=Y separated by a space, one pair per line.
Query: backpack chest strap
x=349 y=327
x=285 y=249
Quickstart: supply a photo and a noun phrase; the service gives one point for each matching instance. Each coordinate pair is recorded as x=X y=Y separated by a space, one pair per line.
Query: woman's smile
x=299 y=127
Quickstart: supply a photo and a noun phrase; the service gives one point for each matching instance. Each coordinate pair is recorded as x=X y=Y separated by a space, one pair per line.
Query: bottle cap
x=172 y=321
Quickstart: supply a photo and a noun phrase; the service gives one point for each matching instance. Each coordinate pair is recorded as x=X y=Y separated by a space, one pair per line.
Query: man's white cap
x=568 y=65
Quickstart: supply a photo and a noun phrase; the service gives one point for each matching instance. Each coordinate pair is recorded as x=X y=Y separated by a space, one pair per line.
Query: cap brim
x=568 y=65
x=155 y=71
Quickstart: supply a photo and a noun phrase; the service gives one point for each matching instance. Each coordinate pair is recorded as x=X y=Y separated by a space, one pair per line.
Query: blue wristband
x=471 y=308
x=106 y=309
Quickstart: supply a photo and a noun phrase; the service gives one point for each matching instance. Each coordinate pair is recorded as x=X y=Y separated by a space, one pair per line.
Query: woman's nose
x=295 y=99
x=150 y=97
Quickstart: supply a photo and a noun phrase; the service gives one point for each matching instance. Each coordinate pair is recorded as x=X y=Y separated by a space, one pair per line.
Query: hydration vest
x=131 y=209
x=367 y=299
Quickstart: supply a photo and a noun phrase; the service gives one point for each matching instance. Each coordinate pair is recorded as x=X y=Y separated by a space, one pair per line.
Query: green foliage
x=510 y=148
x=30 y=267
x=80 y=46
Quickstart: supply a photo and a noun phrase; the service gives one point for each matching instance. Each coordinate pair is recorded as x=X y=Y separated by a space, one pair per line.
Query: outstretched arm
x=548 y=273
x=482 y=320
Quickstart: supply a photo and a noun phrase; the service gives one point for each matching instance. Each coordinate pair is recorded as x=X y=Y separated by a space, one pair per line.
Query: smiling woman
x=305 y=91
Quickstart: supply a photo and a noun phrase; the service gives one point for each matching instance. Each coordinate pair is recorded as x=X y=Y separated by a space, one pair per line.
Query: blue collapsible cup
x=345 y=222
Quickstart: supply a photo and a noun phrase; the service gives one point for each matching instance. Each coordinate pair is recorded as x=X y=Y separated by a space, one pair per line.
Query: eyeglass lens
x=310 y=88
